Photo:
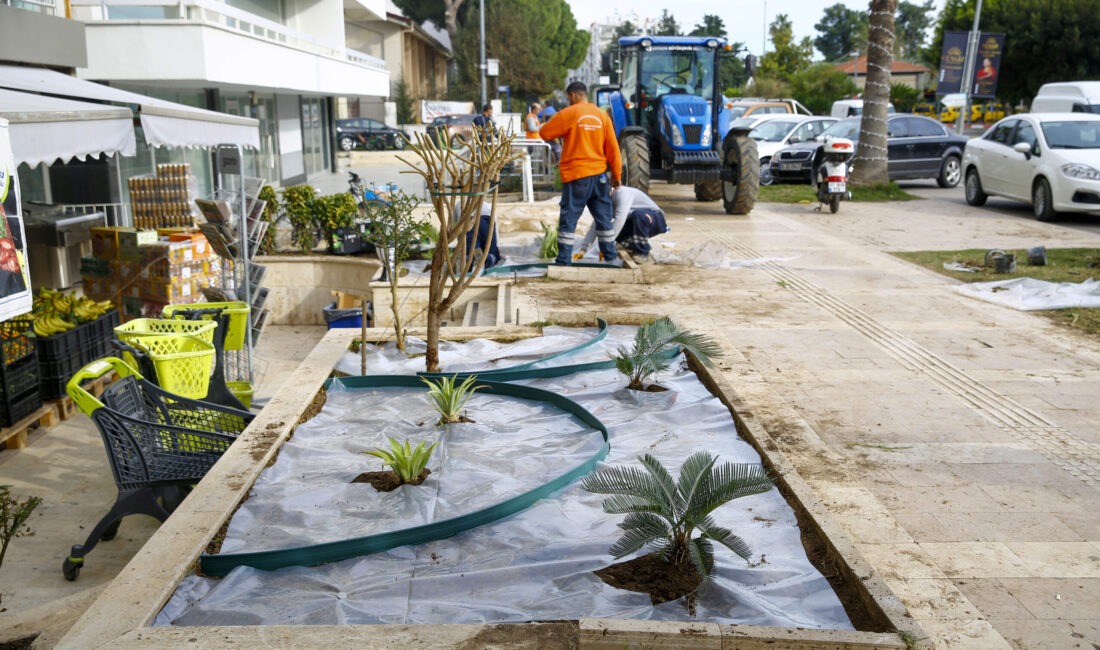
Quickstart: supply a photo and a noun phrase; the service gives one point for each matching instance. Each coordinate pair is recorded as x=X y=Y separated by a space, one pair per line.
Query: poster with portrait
x=988 y=66
x=15 y=281
x=952 y=61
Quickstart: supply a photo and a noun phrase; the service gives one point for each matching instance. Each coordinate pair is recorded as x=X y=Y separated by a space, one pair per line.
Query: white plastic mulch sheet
x=1028 y=294
x=535 y=565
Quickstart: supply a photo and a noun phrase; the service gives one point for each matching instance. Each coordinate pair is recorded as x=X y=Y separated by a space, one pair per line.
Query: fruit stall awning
x=44 y=129
x=165 y=123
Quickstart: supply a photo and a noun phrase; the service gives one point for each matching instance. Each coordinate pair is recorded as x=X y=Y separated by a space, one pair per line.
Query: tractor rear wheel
x=708 y=191
x=741 y=163
x=635 y=153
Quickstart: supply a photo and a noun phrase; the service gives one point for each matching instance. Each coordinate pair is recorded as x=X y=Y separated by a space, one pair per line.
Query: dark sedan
x=918 y=147
x=456 y=129
x=363 y=132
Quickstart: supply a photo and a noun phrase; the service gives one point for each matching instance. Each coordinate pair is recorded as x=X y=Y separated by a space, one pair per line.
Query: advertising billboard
x=15 y=280
x=986 y=68
x=952 y=60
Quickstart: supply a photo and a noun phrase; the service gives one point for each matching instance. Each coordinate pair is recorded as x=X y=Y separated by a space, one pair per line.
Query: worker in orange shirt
x=589 y=152
x=531 y=122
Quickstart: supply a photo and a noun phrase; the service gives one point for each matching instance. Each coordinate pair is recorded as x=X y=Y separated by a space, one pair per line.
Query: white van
x=1068 y=97
x=843 y=108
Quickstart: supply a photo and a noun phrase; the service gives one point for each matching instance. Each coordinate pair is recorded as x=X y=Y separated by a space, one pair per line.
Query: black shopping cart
x=158 y=444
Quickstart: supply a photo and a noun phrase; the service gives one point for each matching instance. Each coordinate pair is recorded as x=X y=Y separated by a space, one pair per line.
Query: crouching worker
x=485 y=245
x=636 y=218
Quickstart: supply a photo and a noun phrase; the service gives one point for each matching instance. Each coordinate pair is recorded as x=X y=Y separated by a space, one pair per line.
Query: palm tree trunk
x=871 y=159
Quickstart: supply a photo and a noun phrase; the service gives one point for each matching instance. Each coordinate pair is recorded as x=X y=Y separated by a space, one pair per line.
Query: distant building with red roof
x=901 y=72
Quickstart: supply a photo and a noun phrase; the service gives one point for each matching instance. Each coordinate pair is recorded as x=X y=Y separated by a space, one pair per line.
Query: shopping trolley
x=158 y=444
x=233 y=320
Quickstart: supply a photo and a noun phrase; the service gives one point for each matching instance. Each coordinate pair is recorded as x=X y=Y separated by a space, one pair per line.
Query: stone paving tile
x=1086 y=523
x=1049 y=635
x=1042 y=498
x=1066 y=598
x=1058 y=559
x=963 y=635
x=936 y=499
x=987 y=527
x=935 y=599
x=994 y=598
x=863 y=516
x=896 y=562
x=977 y=559
x=918 y=453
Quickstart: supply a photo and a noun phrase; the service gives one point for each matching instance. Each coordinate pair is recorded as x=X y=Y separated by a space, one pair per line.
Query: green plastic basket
x=200 y=329
x=238 y=318
x=183 y=363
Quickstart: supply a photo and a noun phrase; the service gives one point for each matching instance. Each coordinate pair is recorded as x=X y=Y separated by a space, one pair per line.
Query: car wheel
x=347 y=143
x=1042 y=203
x=399 y=141
x=766 y=177
x=974 y=194
x=950 y=172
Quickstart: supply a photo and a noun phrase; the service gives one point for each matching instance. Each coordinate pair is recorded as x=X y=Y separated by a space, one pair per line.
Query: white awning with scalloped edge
x=47 y=129
x=165 y=123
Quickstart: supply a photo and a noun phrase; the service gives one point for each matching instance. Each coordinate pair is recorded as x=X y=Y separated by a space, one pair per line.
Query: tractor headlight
x=1082 y=172
x=705 y=139
x=674 y=132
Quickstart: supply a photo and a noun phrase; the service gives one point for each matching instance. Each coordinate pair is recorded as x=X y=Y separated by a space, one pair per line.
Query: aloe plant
x=548 y=248
x=664 y=512
x=405 y=460
x=650 y=352
x=449 y=398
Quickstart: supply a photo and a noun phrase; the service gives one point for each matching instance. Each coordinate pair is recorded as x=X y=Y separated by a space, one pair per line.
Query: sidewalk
x=954 y=440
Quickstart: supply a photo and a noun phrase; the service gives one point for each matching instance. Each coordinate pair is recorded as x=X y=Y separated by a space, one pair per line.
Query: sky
x=746 y=20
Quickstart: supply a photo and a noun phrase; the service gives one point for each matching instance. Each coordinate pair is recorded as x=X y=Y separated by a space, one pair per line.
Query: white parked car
x=1050 y=160
x=780 y=131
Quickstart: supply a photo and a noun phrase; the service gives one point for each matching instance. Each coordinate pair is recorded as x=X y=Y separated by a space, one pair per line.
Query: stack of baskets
x=178 y=354
x=234 y=316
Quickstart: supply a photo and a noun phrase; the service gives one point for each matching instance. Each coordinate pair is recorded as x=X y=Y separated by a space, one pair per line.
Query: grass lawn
x=785 y=193
x=1063 y=265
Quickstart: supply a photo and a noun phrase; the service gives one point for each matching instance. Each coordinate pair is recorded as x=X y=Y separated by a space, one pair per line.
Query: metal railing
x=536 y=166
x=48 y=7
x=118 y=214
x=219 y=14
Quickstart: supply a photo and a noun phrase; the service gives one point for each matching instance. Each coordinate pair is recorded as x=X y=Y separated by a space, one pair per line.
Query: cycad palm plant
x=664 y=512
x=652 y=344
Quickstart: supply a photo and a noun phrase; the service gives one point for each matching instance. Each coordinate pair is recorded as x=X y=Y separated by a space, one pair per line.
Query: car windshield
x=848 y=128
x=1072 y=134
x=773 y=130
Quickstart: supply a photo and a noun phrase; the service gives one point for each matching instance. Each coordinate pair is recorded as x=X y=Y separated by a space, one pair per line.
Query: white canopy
x=44 y=129
x=165 y=123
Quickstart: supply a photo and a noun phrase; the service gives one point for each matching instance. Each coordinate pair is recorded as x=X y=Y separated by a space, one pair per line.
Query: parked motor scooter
x=832 y=174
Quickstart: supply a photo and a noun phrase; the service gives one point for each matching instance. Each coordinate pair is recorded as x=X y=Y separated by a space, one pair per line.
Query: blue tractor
x=672 y=124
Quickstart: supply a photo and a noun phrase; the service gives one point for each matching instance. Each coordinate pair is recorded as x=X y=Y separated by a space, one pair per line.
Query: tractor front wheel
x=708 y=191
x=741 y=164
x=635 y=153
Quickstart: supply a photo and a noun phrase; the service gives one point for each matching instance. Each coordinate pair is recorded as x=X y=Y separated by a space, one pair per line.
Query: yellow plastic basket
x=238 y=318
x=183 y=363
x=242 y=390
x=200 y=329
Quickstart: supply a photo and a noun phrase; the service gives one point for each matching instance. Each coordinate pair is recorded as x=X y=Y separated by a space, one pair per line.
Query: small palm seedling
x=664 y=513
x=449 y=398
x=407 y=462
x=652 y=349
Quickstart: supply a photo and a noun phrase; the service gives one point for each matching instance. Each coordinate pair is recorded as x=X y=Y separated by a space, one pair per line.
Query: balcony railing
x=221 y=15
x=48 y=7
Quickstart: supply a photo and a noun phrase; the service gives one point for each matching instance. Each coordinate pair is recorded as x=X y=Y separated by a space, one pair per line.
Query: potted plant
x=663 y=513
x=650 y=353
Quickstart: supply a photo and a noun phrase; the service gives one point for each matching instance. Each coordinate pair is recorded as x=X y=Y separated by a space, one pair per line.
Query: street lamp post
x=968 y=69
x=484 y=94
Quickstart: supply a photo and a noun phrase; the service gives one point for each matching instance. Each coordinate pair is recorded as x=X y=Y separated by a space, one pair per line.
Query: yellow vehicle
x=993 y=111
x=951 y=113
x=924 y=108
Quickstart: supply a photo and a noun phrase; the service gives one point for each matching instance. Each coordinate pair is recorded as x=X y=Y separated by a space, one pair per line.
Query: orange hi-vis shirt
x=588 y=145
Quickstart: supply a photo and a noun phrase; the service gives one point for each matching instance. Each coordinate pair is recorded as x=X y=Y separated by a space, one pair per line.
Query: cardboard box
x=105 y=241
x=350 y=300
x=199 y=246
x=132 y=237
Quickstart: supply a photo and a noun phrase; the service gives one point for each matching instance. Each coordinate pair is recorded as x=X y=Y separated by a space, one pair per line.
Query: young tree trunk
x=870 y=165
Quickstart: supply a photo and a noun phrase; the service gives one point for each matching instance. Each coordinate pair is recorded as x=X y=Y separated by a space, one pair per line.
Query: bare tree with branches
x=459 y=181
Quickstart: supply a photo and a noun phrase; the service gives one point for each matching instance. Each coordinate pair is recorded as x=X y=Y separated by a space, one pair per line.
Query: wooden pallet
x=66 y=407
x=15 y=436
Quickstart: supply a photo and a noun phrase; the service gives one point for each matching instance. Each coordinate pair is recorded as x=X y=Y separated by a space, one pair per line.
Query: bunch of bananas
x=56 y=312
